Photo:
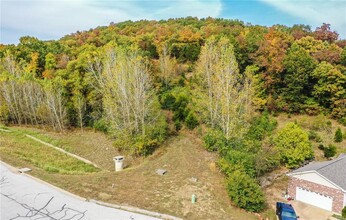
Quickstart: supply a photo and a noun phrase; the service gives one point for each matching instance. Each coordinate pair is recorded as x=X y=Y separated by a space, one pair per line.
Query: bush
x=167 y=101
x=293 y=144
x=145 y=146
x=343 y=213
x=329 y=151
x=245 y=192
x=237 y=160
x=260 y=126
x=342 y=121
x=214 y=140
x=313 y=136
x=321 y=147
x=177 y=125
x=338 y=136
x=191 y=120
x=101 y=125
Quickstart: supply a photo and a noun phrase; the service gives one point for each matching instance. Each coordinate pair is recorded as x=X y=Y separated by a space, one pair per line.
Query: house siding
x=315 y=178
x=337 y=195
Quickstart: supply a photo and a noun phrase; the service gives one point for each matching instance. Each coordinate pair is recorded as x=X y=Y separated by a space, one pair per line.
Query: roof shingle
x=333 y=170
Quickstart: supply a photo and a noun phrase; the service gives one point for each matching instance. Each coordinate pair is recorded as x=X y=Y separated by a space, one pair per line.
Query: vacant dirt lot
x=138 y=185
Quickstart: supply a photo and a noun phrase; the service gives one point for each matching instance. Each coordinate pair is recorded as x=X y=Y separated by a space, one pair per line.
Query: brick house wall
x=337 y=195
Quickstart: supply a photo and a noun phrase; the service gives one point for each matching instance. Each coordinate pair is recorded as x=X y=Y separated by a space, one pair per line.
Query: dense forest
x=138 y=81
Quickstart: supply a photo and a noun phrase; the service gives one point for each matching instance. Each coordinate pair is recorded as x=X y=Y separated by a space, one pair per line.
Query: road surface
x=22 y=197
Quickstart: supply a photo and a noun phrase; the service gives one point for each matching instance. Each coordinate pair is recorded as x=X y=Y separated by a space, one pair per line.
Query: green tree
x=299 y=66
x=293 y=144
x=330 y=86
x=245 y=192
x=338 y=136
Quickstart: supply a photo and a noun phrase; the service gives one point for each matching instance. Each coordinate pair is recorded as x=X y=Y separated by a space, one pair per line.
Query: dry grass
x=323 y=126
x=139 y=185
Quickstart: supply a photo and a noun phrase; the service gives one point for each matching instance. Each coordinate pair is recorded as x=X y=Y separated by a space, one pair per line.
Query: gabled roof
x=333 y=170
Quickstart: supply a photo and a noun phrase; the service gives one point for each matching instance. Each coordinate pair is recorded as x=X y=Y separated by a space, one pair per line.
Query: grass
x=338 y=217
x=94 y=146
x=20 y=150
x=182 y=156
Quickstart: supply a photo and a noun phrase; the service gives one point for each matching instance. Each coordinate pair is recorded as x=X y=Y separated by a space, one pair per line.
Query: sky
x=53 y=19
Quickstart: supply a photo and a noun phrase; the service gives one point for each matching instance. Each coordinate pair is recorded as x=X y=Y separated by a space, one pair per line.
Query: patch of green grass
x=338 y=217
x=18 y=147
x=45 y=138
x=3 y=127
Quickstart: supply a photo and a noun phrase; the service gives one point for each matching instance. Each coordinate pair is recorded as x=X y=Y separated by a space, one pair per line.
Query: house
x=322 y=184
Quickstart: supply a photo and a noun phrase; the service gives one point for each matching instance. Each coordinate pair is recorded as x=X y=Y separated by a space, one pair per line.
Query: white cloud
x=52 y=19
x=316 y=12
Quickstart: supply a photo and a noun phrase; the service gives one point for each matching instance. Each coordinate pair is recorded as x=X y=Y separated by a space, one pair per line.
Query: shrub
x=343 y=120
x=167 y=101
x=177 y=125
x=293 y=144
x=180 y=114
x=260 y=126
x=191 y=120
x=214 y=140
x=313 y=136
x=321 y=147
x=343 y=213
x=237 y=160
x=101 y=125
x=145 y=146
x=245 y=192
x=329 y=151
x=338 y=136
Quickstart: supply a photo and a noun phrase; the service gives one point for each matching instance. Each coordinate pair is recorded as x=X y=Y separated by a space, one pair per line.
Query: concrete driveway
x=22 y=197
x=309 y=212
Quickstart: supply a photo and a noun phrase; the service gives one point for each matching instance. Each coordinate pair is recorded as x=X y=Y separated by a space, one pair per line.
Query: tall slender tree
x=229 y=94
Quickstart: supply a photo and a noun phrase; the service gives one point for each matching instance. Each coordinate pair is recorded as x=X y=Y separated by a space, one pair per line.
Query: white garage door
x=313 y=198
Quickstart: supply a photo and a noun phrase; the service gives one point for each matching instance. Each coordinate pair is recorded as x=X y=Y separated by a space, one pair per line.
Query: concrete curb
x=125 y=208
x=62 y=150
x=136 y=210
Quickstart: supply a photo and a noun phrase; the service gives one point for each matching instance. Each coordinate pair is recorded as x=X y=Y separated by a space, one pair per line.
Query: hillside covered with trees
x=142 y=81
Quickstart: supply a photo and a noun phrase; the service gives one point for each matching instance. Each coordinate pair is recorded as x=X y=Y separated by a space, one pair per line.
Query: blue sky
x=52 y=19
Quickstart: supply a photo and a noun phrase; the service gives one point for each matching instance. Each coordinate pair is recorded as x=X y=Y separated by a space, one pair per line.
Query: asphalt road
x=22 y=197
